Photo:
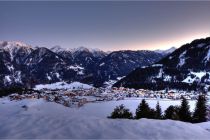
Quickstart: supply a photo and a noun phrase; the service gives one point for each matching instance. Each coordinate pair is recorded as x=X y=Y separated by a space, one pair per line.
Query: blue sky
x=105 y=25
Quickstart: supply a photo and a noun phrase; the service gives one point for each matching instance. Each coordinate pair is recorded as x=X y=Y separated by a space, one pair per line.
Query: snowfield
x=63 y=85
x=197 y=76
x=36 y=118
x=131 y=103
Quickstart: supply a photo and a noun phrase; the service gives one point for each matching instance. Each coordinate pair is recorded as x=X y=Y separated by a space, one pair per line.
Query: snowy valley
x=70 y=93
x=105 y=69
x=77 y=110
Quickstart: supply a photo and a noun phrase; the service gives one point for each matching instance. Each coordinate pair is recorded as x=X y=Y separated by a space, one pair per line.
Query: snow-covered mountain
x=24 y=65
x=186 y=68
x=101 y=66
x=166 y=52
x=95 y=52
x=12 y=56
x=83 y=57
x=120 y=63
x=17 y=50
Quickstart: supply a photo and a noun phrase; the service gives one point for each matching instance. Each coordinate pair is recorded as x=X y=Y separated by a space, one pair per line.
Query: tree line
x=181 y=112
x=18 y=90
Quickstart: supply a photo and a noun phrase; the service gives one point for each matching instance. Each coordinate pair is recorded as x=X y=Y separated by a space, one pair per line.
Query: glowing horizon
x=176 y=42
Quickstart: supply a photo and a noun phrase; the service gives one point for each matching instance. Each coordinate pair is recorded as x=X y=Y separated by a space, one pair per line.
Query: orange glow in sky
x=164 y=44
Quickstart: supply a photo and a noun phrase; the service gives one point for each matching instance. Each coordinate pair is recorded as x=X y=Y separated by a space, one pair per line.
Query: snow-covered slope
x=63 y=85
x=196 y=77
x=193 y=56
x=120 y=63
x=187 y=68
x=16 y=48
x=12 y=56
x=34 y=118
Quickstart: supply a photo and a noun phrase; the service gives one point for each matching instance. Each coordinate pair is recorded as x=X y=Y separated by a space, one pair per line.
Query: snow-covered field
x=41 y=119
x=63 y=85
x=104 y=109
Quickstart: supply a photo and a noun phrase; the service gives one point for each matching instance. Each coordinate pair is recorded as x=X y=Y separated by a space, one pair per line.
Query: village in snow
x=76 y=110
x=77 y=94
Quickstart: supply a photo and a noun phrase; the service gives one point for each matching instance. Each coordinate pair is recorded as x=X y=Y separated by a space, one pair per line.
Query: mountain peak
x=167 y=51
x=170 y=50
x=79 y=49
x=57 y=48
x=13 y=44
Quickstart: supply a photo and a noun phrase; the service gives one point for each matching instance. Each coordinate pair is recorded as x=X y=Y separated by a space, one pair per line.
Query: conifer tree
x=184 y=111
x=200 y=112
x=121 y=112
x=171 y=113
x=152 y=114
x=143 y=110
x=158 y=112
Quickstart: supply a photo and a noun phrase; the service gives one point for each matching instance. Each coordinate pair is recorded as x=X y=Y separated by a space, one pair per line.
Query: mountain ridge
x=25 y=65
x=188 y=67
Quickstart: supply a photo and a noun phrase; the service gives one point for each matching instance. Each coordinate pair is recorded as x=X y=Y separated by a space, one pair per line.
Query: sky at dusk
x=105 y=25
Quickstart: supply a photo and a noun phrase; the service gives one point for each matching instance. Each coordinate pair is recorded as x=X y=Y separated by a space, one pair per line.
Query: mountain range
x=24 y=65
x=186 y=68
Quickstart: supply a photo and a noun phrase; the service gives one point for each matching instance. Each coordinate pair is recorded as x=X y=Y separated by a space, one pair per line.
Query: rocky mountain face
x=186 y=68
x=86 y=59
x=23 y=65
x=12 y=56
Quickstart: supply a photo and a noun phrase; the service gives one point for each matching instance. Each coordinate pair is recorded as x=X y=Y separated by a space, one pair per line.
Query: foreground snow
x=104 y=109
x=40 y=119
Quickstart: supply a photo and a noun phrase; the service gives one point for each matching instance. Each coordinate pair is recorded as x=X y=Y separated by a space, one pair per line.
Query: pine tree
x=158 y=112
x=152 y=114
x=121 y=112
x=143 y=110
x=171 y=113
x=184 y=111
x=200 y=112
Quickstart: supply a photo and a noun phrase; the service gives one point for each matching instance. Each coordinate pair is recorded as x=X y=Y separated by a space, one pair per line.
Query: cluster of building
x=77 y=98
x=69 y=99
x=165 y=94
